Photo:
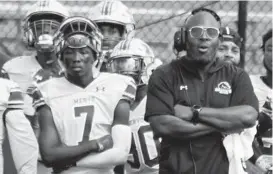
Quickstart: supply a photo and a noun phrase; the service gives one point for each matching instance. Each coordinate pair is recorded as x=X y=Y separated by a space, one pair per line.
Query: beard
x=201 y=58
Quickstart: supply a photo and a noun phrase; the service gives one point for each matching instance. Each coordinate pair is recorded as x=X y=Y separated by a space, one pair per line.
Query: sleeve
x=15 y=100
x=37 y=96
x=160 y=99
x=129 y=92
x=243 y=93
x=23 y=143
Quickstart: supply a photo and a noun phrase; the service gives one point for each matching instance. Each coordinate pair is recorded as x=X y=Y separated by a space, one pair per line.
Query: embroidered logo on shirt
x=100 y=89
x=223 y=88
x=185 y=87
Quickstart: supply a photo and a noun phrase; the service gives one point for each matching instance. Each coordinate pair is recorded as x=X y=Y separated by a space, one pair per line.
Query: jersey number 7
x=87 y=111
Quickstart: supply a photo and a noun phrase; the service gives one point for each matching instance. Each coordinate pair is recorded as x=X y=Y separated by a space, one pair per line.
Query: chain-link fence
x=156 y=21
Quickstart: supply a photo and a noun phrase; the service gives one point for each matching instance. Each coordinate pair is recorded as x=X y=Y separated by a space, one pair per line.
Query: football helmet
x=135 y=58
x=78 y=32
x=113 y=12
x=41 y=22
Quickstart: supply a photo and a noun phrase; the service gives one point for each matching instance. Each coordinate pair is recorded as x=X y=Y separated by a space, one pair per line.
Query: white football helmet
x=113 y=12
x=42 y=21
x=135 y=58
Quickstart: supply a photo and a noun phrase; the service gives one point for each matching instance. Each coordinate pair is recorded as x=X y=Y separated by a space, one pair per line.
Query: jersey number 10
x=144 y=148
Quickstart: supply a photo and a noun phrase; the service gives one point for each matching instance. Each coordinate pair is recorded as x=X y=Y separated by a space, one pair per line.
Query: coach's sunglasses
x=198 y=31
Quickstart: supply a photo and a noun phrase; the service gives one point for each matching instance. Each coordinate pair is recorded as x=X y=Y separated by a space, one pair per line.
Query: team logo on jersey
x=100 y=89
x=223 y=88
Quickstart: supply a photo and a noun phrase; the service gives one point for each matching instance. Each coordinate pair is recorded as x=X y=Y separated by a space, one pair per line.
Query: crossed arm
x=121 y=134
x=54 y=153
x=176 y=119
x=52 y=150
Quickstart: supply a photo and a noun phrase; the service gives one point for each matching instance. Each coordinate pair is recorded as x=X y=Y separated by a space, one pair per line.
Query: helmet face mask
x=78 y=32
x=42 y=32
x=132 y=57
x=132 y=66
x=74 y=36
x=43 y=18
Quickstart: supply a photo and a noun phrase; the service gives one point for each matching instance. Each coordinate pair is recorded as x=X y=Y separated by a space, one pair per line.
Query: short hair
x=213 y=13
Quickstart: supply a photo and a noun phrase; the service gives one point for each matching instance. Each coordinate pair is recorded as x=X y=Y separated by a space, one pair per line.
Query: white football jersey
x=262 y=91
x=83 y=114
x=11 y=97
x=144 y=151
x=21 y=70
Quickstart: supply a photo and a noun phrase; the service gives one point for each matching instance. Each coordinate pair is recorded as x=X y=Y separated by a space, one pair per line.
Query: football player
x=115 y=22
x=84 y=115
x=135 y=58
x=263 y=89
x=41 y=22
x=230 y=45
x=23 y=142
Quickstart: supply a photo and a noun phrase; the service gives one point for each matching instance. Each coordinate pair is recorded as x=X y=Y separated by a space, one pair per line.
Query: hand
x=183 y=112
x=106 y=142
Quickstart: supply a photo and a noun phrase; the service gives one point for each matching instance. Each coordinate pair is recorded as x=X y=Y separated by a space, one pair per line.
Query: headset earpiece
x=180 y=40
x=183 y=38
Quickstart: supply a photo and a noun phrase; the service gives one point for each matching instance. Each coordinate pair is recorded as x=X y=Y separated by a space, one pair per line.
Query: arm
x=170 y=126
x=163 y=115
x=121 y=134
x=242 y=112
x=228 y=119
x=23 y=143
x=231 y=118
x=52 y=150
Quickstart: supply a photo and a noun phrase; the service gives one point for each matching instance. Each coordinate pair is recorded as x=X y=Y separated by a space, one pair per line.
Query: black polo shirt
x=178 y=82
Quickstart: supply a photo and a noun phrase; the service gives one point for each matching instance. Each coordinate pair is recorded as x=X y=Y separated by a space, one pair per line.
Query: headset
x=180 y=36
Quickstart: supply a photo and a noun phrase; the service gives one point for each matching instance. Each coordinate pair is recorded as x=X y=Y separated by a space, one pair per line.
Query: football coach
x=193 y=102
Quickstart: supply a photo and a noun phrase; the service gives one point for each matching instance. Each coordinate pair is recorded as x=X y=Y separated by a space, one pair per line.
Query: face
x=78 y=61
x=202 y=49
x=268 y=54
x=111 y=35
x=228 y=51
